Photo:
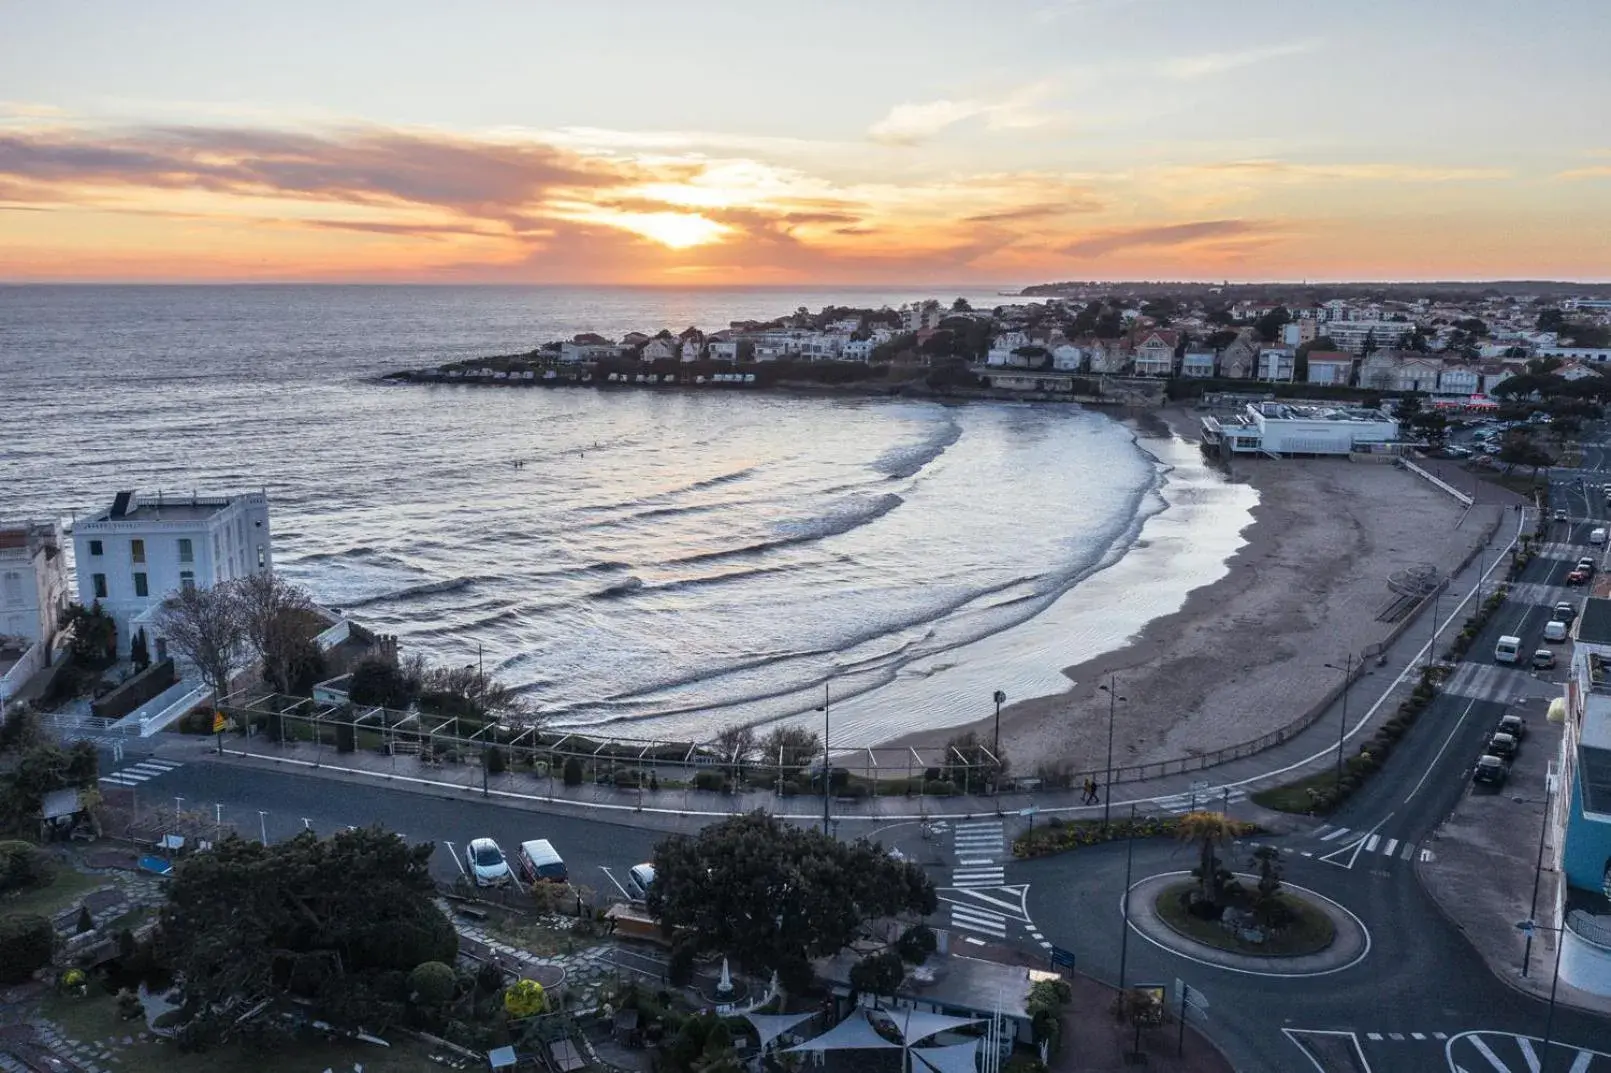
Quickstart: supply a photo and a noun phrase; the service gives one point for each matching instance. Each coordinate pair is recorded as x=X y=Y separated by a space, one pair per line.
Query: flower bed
x=1060 y=836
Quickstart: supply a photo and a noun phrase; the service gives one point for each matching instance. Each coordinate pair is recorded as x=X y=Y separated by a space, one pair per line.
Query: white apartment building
x=1597 y=355
x=919 y=315
x=1279 y=429
x=858 y=350
x=1003 y=345
x=130 y=556
x=1351 y=335
x=1276 y=364
x=33 y=581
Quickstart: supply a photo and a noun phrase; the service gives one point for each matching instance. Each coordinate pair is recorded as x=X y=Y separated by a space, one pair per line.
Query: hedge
x=27 y=942
x=24 y=866
x=1059 y=836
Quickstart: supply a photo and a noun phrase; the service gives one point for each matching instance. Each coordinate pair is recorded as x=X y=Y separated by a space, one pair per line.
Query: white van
x=1555 y=630
x=539 y=860
x=1505 y=651
x=1596 y=536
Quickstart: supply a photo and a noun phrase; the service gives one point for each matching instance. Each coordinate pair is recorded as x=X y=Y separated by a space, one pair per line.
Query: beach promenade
x=1176 y=787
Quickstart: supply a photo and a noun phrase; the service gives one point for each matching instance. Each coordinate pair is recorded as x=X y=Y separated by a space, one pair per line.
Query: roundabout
x=1326 y=937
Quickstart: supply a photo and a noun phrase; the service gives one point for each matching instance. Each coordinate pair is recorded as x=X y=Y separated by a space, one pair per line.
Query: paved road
x=1422 y=984
x=1421 y=978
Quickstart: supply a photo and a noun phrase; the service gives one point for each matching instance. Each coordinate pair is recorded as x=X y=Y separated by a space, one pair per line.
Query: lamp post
x=827 y=772
x=1538 y=873
x=1129 y=860
x=995 y=745
x=1431 y=649
x=1342 y=727
x=1529 y=926
x=1112 y=690
x=262 y=826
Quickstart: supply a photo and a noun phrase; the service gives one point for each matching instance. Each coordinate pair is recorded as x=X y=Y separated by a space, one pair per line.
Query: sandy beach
x=1247 y=655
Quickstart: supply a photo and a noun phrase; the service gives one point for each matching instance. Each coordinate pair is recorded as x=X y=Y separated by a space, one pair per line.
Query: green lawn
x=63 y=893
x=1311 y=933
x=1294 y=796
x=94 y=1019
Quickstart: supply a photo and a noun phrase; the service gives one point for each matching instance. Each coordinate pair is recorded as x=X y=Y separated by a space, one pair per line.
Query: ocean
x=662 y=564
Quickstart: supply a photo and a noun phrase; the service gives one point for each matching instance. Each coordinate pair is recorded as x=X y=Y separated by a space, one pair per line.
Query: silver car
x=486 y=862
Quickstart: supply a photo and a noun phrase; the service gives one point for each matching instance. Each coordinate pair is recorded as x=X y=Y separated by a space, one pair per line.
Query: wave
x=415 y=592
x=833 y=524
x=362 y=551
x=631 y=584
x=718 y=481
x=605 y=566
x=717 y=579
x=908 y=459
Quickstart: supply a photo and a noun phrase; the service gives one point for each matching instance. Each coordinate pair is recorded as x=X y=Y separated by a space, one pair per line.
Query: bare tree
x=275 y=615
x=735 y=746
x=791 y=747
x=466 y=691
x=204 y=627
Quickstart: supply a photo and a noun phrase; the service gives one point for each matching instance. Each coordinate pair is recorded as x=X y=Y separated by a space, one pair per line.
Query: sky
x=696 y=142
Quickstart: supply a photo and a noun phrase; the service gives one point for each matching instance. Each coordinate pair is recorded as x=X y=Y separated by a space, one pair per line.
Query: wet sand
x=1246 y=655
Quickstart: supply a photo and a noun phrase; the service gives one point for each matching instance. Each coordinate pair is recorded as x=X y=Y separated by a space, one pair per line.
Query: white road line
x=971 y=862
x=966 y=913
x=1484 y=1050
x=1581 y=1063
x=1439 y=754
x=1306 y=853
x=617 y=882
x=134 y=775
x=975 y=884
x=1046 y=944
x=1440 y=1035
x=115 y=781
x=1338 y=833
x=1418 y=1035
x=1321 y=831
x=978 y=840
x=1392 y=843
x=1528 y=1055
x=1370 y=843
x=1409 y=850
x=152 y=765
x=1016 y=909
x=993 y=825
x=981 y=928
x=1373 y=1035
x=976 y=873
x=1396 y=1036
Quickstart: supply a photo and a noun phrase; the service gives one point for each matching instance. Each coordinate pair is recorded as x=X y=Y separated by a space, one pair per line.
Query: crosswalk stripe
x=985 y=927
x=1387 y=851
x=977 y=914
x=993 y=825
x=979 y=873
x=1373 y=1035
x=1321 y=831
x=1408 y=850
x=1016 y=910
x=1370 y=843
x=974 y=884
x=1338 y=833
x=1440 y=1035
x=154 y=765
x=1581 y=1063
x=134 y=775
x=1487 y=1052
x=115 y=781
x=1525 y=1045
x=1418 y=1035
x=1397 y=1036
x=971 y=862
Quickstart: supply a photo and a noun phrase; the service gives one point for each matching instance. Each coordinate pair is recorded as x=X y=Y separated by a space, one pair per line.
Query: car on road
x=1586 y=564
x=1560 y=515
x=1507 y=649
x=1514 y=725
x=1597 y=536
x=1577 y=576
x=1502 y=745
x=1543 y=659
x=1491 y=770
x=487 y=865
x=1566 y=611
x=640 y=878
x=1555 y=630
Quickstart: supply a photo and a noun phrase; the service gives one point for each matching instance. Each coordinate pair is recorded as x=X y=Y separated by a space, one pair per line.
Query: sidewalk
x=1369 y=702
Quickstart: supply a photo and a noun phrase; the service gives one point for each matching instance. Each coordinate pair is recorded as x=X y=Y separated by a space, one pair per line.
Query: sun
x=674 y=230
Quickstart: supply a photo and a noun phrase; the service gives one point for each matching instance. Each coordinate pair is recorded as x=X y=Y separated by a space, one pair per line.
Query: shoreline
x=1246 y=653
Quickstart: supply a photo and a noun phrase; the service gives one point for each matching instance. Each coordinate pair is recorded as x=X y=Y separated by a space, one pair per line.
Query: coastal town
x=555 y=909
x=1449 y=348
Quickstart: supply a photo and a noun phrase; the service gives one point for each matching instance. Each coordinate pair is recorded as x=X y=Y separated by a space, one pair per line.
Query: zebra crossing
x=978 y=848
x=1508 y=1052
x=1343 y=847
x=135 y=774
x=1207 y=799
x=1490 y=681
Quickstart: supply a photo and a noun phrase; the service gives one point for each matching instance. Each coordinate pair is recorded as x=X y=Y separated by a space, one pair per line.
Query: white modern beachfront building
x=1279 y=429
x=130 y=556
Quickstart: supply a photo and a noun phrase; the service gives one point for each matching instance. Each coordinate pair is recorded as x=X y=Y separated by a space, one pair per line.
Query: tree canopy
x=338 y=922
x=773 y=896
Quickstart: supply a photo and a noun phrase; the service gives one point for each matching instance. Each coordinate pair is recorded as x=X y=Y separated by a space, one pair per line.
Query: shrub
x=573 y=771
x=524 y=998
x=937 y=788
x=27 y=942
x=199 y=721
x=432 y=983
x=346 y=738
x=714 y=781
x=24 y=866
x=916 y=944
x=85 y=921
x=497 y=762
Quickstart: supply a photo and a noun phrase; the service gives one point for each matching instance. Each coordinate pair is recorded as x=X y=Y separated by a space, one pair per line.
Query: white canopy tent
x=858 y=1032
x=772 y=1025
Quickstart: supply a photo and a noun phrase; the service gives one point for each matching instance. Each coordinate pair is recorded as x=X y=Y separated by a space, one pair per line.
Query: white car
x=486 y=862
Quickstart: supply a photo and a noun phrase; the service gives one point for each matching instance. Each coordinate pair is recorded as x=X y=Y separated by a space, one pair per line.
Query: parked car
x=1543 y=659
x=640 y=879
x=1491 y=770
x=488 y=868
x=1514 y=725
x=1566 y=611
x=1555 y=630
x=1578 y=576
x=1502 y=745
x=1586 y=565
x=540 y=860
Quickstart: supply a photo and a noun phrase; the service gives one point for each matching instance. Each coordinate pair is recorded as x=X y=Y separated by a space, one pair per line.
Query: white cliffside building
x=132 y=555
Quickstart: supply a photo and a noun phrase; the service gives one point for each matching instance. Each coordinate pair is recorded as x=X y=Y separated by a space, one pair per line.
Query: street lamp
x=1431 y=649
x=1538 y=873
x=1342 y=727
x=827 y=773
x=262 y=826
x=995 y=745
x=1529 y=926
x=1112 y=690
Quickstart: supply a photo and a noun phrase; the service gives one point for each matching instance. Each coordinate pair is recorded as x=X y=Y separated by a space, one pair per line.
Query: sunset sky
x=705 y=142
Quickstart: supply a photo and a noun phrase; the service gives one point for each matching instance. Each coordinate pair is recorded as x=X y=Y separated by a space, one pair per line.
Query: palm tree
x=1209 y=830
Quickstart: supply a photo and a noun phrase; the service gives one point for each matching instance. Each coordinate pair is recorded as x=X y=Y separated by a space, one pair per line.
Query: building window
x=137 y=550
x=140 y=587
x=187 y=551
x=13 y=588
x=262 y=558
x=187 y=579
x=99 y=581
x=95 y=547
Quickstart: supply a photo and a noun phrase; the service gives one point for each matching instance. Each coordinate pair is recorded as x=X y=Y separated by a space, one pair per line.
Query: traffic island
x=1323 y=938
x=1303 y=927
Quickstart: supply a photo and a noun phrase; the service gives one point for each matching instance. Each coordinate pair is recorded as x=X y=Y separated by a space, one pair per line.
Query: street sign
x=219 y=722
x=1030 y=811
x=1062 y=957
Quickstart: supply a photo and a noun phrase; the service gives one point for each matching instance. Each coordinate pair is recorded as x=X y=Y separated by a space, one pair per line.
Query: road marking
x=1396 y=1036
x=992 y=825
x=1426 y=855
x=1356 y=847
x=1408 y=850
x=617 y=882
x=1358 y=1057
x=978 y=873
x=970 y=862
x=1418 y=1035
x=1046 y=944
x=1373 y=1035
x=1338 y=833
x=1581 y=1063
x=1370 y=843
x=1440 y=1035
x=1320 y=832
x=979 y=895
x=133 y=776
x=1528 y=1055
x=1392 y=843
x=1439 y=755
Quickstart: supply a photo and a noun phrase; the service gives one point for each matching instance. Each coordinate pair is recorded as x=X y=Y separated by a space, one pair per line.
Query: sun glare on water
x=676 y=230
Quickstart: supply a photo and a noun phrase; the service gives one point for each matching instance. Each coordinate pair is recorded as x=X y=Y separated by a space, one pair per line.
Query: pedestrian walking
x=1096 y=792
